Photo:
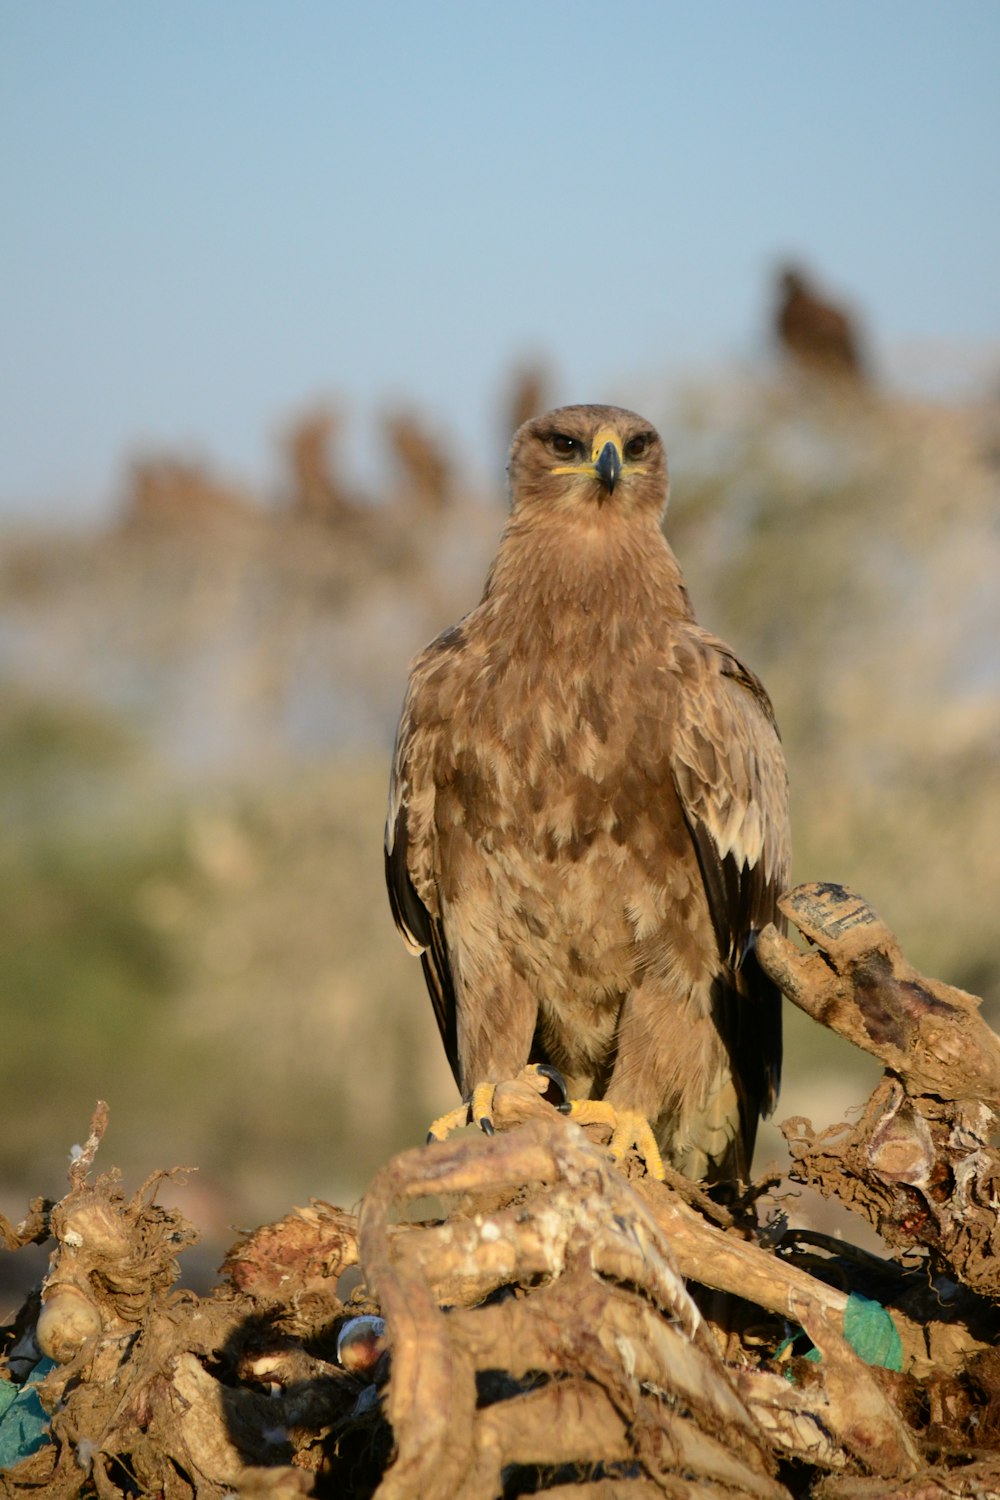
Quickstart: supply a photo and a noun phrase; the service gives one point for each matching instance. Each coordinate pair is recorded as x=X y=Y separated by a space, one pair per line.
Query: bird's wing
x=411 y=859
x=730 y=774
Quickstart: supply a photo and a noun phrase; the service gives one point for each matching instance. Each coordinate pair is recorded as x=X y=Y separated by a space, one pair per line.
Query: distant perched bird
x=819 y=337
x=588 y=816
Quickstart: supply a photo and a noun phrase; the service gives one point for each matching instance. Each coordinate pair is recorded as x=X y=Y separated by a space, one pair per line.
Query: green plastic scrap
x=870 y=1331
x=24 y=1422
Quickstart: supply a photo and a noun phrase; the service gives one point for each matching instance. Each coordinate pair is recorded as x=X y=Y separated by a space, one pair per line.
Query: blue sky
x=216 y=211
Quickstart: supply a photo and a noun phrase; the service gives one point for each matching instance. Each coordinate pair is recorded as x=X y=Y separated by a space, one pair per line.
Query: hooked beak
x=608 y=466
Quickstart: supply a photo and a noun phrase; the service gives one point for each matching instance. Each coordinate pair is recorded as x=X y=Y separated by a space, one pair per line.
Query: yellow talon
x=481 y=1107
x=441 y=1128
x=477 y=1110
x=628 y=1129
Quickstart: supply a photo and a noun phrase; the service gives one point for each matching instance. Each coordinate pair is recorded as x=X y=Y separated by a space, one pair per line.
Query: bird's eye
x=563 y=446
x=638 y=446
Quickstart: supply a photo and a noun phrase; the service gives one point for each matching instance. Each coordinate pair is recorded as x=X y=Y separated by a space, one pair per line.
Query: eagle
x=817 y=336
x=588 y=818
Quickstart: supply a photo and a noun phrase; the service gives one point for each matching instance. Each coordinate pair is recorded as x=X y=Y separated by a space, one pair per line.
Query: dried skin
x=608 y=1269
x=545 y=1321
x=33 y=1229
x=138 y=1400
x=918 y=1164
x=926 y=1032
x=307 y=1250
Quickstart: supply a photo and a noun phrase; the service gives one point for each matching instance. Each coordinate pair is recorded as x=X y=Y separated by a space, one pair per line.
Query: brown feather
x=588 y=815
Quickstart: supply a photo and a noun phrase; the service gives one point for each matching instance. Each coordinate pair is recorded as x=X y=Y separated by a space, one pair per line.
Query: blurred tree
x=528 y=397
x=425 y=472
x=317 y=491
x=178 y=492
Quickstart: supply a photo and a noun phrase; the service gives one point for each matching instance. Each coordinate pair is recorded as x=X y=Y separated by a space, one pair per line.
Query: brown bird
x=588 y=816
x=819 y=337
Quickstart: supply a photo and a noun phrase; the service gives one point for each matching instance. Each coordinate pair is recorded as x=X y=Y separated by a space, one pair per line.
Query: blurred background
x=279 y=282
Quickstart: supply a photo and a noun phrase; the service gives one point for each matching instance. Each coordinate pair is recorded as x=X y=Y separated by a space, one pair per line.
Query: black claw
x=486 y=1126
x=565 y=1108
x=431 y=1138
x=557 y=1093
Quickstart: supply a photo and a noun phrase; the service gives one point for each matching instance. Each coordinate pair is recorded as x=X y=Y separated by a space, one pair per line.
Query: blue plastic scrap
x=24 y=1422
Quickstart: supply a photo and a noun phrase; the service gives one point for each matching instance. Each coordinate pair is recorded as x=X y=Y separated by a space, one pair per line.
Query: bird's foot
x=549 y=1082
x=441 y=1128
x=628 y=1128
x=478 y=1108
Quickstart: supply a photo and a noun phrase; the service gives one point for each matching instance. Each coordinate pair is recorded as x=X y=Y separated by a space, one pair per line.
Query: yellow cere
x=606 y=435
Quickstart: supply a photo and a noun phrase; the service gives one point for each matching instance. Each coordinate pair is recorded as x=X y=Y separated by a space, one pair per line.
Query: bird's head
x=588 y=456
x=792 y=282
